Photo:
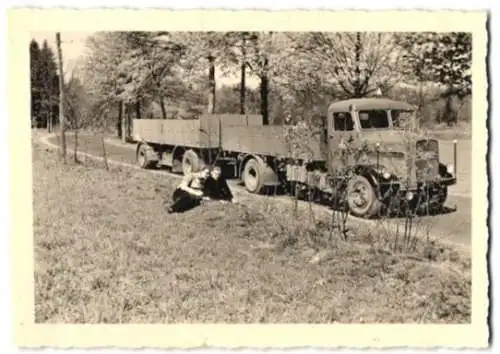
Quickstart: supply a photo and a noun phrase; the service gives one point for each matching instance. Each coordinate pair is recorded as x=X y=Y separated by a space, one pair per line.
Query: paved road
x=454 y=226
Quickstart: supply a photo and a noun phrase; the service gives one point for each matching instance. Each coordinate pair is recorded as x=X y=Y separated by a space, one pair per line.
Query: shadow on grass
x=327 y=202
x=421 y=213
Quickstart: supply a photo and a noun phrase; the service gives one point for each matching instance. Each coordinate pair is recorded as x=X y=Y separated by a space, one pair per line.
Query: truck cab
x=380 y=142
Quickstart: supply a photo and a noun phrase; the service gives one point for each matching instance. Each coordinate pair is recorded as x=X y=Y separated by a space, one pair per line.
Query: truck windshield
x=402 y=120
x=374 y=119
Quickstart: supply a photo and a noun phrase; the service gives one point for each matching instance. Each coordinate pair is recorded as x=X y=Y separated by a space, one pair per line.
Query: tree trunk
x=124 y=123
x=119 y=121
x=48 y=121
x=75 y=150
x=129 y=122
x=357 y=70
x=163 y=109
x=104 y=154
x=449 y=114
x=211 y=85
x=264 y=91
x=243 y=76
x=138 y=109
x=421 y=105
x=62 y=122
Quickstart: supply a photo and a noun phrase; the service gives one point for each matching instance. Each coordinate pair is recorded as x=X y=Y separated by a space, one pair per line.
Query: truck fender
x=443 y=171
x=371 y=174
x=177 y=152
x=269 y=177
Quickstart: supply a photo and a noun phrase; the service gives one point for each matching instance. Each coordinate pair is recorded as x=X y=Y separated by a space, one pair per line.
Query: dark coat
x=217 y=189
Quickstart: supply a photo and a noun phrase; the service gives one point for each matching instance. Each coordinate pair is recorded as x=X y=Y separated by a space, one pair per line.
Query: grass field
x=106 y=252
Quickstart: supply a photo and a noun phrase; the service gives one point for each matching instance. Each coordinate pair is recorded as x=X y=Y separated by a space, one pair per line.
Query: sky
x=73 y=47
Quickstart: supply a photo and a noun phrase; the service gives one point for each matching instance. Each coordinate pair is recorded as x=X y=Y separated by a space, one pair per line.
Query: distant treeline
x=166 y=75
x=44 y=86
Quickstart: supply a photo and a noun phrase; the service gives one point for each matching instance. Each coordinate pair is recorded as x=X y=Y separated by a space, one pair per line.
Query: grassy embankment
x=106 y=251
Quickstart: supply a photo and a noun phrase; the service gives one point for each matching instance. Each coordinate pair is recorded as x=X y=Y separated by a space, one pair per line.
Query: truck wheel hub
x=359 y=196
x=251 y=177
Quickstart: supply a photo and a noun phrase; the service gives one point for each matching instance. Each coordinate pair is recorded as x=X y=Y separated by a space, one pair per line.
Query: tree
x=357 y=64
x=236 y=58
x=228 y=101
x=130 y=70
x=76 y=107
x=207 y=50
x=260 y=63
x=44 y=85
x=243 y=66
x=101 y=76
x=35 y=82
x=151 y=68
x=50 y=84
x=443 y=58
x=298 y=79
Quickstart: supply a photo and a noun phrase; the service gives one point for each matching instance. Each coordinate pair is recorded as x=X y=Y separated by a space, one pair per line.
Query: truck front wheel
x=362 y=198
x=439 y=199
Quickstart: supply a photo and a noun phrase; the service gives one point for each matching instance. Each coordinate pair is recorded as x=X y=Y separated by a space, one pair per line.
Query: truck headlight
x=450 y=169
x=384 y=172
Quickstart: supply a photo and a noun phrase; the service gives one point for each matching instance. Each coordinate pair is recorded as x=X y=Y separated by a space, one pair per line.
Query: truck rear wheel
x=191 y=162
x=252 y=176
x=362 y=198
x=143 y=156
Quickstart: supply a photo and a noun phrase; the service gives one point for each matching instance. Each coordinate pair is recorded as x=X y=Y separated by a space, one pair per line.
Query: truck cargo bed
x=266 y=140
x=233 y=133
x=200 y=133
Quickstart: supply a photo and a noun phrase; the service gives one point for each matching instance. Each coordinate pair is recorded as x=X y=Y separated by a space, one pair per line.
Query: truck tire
x=252 y=176
x=191 y=162
x=362 y=199
x=439 y=200
x=144 y=157
x=443 y=195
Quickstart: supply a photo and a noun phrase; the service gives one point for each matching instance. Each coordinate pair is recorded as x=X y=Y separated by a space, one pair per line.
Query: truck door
x=342 y=131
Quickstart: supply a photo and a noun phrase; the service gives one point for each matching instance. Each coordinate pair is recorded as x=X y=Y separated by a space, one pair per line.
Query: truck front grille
x=427 y=160
x=427 y=169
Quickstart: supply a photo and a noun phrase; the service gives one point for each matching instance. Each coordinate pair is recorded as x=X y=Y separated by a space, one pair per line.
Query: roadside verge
x=387 y=226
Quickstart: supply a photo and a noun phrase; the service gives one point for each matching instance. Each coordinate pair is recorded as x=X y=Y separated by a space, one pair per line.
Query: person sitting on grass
x=189 y=193
x=216 y=188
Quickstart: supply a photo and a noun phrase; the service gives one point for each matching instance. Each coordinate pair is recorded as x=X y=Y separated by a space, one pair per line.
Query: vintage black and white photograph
x=252 y=177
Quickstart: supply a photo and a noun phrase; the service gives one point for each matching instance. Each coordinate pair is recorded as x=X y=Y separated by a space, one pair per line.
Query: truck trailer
x=366 y=152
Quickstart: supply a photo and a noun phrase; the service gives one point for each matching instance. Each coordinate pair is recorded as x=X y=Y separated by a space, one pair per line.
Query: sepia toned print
x=185 y=177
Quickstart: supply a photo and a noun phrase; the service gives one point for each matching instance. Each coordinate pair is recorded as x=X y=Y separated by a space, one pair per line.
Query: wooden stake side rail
x=233 y=133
